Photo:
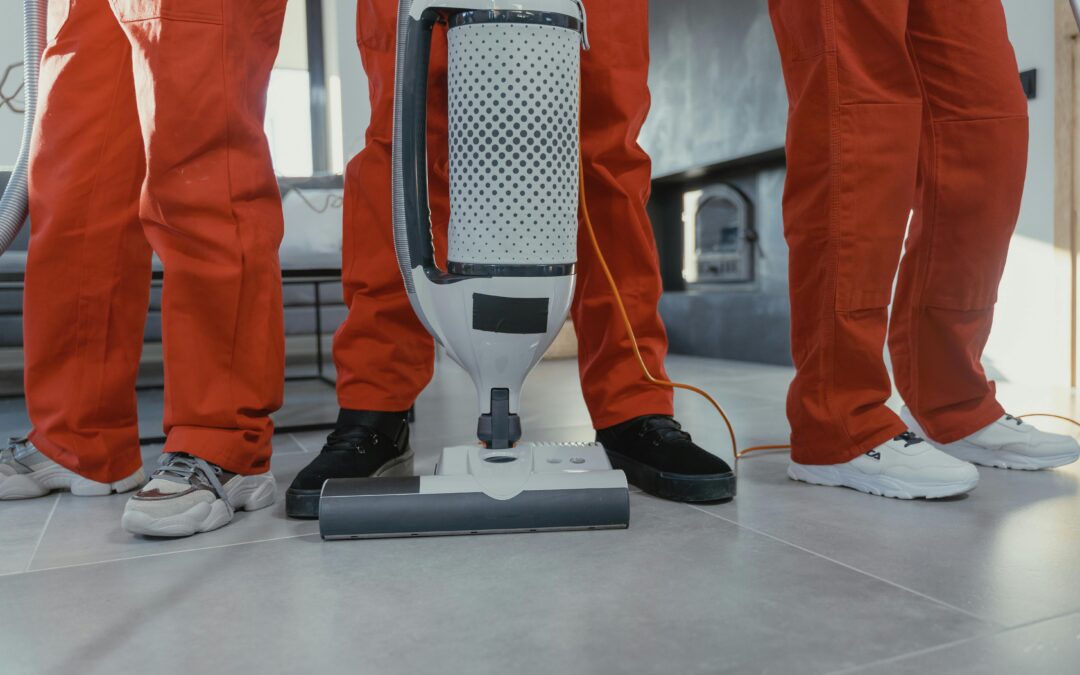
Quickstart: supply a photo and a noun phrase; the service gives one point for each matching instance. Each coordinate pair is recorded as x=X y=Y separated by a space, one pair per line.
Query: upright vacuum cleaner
x=514 y=72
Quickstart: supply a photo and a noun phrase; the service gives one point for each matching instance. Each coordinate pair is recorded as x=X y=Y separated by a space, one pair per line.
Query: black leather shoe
x=363 y=444
x=661 y=459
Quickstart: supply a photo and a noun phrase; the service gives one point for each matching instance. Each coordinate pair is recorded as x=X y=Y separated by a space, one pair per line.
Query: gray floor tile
x=22 y=524
x=1007 y=552
x=86 y=530
x=1046 y=648
x=680 y=591
x=787 y=578
x=308 y=441
x=1004 y=552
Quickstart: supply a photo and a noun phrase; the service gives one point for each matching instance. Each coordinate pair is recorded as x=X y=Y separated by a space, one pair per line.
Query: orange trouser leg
x=971 y=179
x=853 y=142
x=615 y=102
x=212 y=212
x=383 y=354
x=857 y=146
x=192 y=79
x=88 y=268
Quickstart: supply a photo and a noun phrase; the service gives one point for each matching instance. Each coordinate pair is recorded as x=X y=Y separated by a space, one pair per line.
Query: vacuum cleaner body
x=513 y=97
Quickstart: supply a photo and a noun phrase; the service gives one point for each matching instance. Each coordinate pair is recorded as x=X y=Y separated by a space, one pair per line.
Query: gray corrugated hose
x=13 y=204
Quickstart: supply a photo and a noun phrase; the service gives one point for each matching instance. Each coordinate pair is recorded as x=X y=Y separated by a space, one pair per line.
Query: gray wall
x=746 y=322
x=716 y=85
x=719 y=98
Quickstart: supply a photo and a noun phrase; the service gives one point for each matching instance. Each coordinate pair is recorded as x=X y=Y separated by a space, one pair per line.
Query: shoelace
x=663 y=428
x=7 y=454
x=909 y=439
x=15 y=451
x=352 y=440
x=180 y=467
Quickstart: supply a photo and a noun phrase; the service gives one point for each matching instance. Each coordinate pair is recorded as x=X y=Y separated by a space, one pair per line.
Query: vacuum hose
x=14 y=203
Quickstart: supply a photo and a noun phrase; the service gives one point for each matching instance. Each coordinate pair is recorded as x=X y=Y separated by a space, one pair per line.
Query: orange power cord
x=1057 y=417
x=633 y=338
x=738 y=454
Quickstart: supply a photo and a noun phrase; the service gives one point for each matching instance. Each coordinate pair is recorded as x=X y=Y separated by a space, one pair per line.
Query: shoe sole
x=56 y=477
x=995 y=459
x=1000 y=459
x=881 y=486
x=675 y=487
x=304 y=504
x=251 y=493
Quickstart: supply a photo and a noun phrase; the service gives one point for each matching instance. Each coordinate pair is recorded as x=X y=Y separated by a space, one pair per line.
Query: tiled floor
x=786 y=579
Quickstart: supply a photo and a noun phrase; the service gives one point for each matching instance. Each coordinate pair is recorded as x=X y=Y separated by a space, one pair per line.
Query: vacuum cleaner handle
x=410 y=136
x=412 y=213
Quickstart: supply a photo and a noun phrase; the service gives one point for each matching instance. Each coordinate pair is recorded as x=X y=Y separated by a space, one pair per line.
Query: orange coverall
x=384 y=356
x=150 y=138
x=896 y=105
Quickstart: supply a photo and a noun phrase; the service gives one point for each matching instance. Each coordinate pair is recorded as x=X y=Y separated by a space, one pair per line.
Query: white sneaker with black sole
x=25 y=473
x=1008 y=443
x=903 y=468
x=187 y=495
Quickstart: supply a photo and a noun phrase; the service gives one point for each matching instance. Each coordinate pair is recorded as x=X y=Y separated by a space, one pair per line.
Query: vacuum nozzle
x=530 y=488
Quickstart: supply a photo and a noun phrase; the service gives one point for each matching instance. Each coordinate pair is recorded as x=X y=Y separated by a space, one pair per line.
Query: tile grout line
x=303 y=448
x=936 y=601
x=160 y=554
x=41 y=537
x=953 y=643
x=851 y=670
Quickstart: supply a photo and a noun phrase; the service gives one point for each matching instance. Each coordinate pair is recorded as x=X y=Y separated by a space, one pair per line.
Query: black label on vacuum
x=520 y=316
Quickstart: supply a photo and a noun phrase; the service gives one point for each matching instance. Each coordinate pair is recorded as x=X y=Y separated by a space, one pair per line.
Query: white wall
x=10 y=52
x=1030 y=342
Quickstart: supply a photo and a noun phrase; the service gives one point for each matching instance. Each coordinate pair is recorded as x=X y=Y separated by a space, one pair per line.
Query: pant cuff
x=114 y=466
x=960 y=425
x=242 y=451
x=845 y=455
x=654 y=401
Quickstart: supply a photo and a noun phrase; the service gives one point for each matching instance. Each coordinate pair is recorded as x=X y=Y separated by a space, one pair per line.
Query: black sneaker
x=364 y=444
x=661 y=459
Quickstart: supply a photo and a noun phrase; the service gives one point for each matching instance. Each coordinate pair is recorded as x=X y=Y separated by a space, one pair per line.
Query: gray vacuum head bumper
x=359 y=508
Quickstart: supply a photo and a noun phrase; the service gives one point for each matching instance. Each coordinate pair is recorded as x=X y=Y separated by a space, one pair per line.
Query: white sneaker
x=903 y=468
x=1009 y=443
x=26 y=473
x=186 y=495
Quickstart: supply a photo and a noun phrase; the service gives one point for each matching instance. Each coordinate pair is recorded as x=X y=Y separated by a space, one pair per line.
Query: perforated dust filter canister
x=513 y=111
x=513 y=98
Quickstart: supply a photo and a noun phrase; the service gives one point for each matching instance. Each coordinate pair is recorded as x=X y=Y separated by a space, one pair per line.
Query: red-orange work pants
x=896 y=105
x=150 y=138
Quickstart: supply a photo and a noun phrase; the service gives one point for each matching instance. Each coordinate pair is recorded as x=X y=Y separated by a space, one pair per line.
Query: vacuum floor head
x=528 y=488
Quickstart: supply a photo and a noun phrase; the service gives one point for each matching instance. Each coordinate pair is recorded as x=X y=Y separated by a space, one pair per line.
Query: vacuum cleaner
x=513 y=83
x=15 y=201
